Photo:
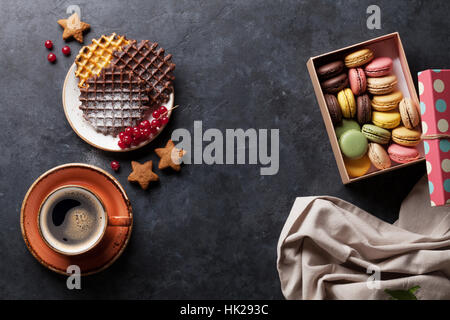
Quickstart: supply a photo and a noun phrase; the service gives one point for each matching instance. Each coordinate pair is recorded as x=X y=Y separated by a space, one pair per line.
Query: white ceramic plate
x=84 y=129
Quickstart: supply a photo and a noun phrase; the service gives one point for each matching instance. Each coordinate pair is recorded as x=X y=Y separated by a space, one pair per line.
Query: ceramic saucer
x=114 y=198
x=83 y=128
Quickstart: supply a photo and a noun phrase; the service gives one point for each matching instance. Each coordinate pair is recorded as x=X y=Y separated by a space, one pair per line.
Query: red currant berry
x=156 y=123
x=51 y=57
x=121 y=135
x=122 y=144
x=129 y=131
x=155 y=114
x=48 y=44
x=136 y=140
x=136 y=132
x=115 y=165
x=162 y=110
x=164 y=120
x=144 y=124
x=145 y=133
x=153 y=130
x=127 y=140
x=66 y=50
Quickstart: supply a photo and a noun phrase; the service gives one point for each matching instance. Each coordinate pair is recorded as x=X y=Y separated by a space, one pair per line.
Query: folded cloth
x=331 y=249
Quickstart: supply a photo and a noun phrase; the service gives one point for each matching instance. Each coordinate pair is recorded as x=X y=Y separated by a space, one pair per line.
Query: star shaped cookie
x=170 y=156
x=73 y=27
x=142 y=174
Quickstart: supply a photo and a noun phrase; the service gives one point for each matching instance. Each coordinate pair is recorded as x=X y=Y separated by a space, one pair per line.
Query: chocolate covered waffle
x=113 y=100
x=150 y=63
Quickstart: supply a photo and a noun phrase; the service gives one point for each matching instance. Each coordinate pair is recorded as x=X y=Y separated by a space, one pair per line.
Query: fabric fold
x=331 y=249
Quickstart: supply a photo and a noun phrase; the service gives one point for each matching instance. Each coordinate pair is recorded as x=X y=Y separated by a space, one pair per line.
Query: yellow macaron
x=387 y=120
x=357 y=168
x=406 y=137
x=347 y=103
x=358 y=58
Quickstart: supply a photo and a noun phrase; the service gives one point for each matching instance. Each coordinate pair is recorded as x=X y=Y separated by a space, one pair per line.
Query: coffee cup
x=73 y=220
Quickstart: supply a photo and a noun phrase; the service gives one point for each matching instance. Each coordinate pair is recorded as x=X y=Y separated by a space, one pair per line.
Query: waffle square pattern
x=113 y=100
x=149 y=62
x=96 y=56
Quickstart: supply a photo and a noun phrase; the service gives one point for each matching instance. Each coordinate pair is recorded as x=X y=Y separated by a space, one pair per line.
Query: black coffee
x=72 y=219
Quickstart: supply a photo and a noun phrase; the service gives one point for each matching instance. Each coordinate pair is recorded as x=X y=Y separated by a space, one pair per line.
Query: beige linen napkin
x=329 y=249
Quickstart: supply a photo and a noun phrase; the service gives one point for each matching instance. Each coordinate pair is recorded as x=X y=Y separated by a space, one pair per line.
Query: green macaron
x=376 y=134
x=345 y=126
x=353 y=144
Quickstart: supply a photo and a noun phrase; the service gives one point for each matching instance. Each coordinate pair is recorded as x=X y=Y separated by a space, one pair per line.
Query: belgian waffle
x=113 y=100
x=150 y=64
x=93 y=58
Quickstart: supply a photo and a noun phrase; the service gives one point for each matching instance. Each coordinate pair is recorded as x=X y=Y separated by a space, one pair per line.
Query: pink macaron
x=379 y=67
x=357 y=80
x=401 y=154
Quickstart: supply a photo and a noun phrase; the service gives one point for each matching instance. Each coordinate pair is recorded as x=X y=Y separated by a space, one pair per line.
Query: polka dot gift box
x=434 y=92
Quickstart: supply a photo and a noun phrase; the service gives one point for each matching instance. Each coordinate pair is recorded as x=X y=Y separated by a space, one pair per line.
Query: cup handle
x=119 y=221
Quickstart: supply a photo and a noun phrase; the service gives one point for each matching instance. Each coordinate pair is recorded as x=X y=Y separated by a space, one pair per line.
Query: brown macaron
x=333 y=108
x=363 y=109
x=409 y=113
x=378 y=156
x=335 y=84
x=330 y=69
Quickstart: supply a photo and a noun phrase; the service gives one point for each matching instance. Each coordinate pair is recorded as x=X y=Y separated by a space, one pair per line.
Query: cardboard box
x=388 y=45
x=434 y=91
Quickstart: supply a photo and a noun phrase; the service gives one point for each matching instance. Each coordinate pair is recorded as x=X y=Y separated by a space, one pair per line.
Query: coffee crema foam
x=72 y=220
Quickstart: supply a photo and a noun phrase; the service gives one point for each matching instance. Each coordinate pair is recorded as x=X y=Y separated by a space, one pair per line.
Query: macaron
x=381 y=85
x=401 y=154
x=330 y=70
x=406 y=137
x=358 y=58
x=353 y=144
x=379 y=67
x=357 y=79
x=357 y=168
x=376 y=134
x=333 y=108
x=347 y=102
x=387 y=120
x=345 y=126
x=387 y=102
x=335 y=84
x=409 y=113
x=363 y=109
x=378 y=156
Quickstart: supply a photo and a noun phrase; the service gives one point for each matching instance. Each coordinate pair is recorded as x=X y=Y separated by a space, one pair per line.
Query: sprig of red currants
x=132 y=136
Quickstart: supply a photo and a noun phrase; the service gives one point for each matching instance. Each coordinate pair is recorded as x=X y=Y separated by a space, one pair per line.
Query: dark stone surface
x=210 y=231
